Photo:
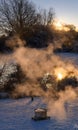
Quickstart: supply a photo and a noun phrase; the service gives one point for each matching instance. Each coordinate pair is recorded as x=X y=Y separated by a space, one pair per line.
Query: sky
x=65 y=10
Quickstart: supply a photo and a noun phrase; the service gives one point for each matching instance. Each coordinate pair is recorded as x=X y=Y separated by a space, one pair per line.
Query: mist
x=57 y=108
x=35 y=63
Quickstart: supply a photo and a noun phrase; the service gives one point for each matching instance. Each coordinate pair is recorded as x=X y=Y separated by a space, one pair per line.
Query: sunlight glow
x=76 y=29
x=60 y=76
x=60 y=25
x=60 y=73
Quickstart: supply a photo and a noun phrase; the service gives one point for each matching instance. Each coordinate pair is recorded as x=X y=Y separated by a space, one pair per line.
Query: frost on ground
x=17 y=114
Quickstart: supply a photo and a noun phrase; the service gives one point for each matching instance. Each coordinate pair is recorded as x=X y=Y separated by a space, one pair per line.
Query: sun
x=60 y=73
x=59 y=76
x=58 y=24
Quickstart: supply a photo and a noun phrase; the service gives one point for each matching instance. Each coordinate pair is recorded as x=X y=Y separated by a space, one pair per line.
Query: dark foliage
x=49 y=82
x=67 y=81
x=17 y=15
x=20 y=17
x=3 y=46
x=41 y=37
x=10 y=76
x=15 y=79
x=66 y=41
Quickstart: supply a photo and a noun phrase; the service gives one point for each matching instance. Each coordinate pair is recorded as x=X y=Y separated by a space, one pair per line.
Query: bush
x=10 y=75
x=41 y=37
x=67 y=81
x=50 y=82
x=2 y=43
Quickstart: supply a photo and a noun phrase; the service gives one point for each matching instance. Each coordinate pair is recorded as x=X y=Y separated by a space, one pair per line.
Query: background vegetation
x=23 y=25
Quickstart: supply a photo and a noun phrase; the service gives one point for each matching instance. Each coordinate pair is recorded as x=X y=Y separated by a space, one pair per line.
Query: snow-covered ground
x=69 y=57
x=17 y=114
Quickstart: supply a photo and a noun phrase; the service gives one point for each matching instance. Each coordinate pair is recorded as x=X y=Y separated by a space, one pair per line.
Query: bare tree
x=46 y=16
x=17 y=15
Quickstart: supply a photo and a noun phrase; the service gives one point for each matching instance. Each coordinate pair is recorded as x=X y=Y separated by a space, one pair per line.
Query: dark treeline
x=66 y=41
x=23 y=25
x=21 y=18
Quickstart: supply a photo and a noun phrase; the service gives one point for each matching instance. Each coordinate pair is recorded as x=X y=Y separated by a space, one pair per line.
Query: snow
x=17 y=114
x=69 y=57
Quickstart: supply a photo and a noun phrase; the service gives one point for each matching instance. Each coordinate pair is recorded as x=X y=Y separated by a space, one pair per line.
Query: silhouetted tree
x=46 y=16
x=21 y=17
x=41 y=37
x=11 y=75
x=70 y=27
x=17 y=15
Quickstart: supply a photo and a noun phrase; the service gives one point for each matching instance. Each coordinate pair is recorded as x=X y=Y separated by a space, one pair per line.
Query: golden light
x=76 y=29
x=59 y=76
x=58 y=24
x=60 y=73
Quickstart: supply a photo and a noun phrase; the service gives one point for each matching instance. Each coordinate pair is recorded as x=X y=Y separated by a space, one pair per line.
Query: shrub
x=10 y=75
x=41 y=37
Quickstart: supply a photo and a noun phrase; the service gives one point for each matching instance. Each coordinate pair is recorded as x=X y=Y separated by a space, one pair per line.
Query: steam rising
x=35 y=63
x=57 y=108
